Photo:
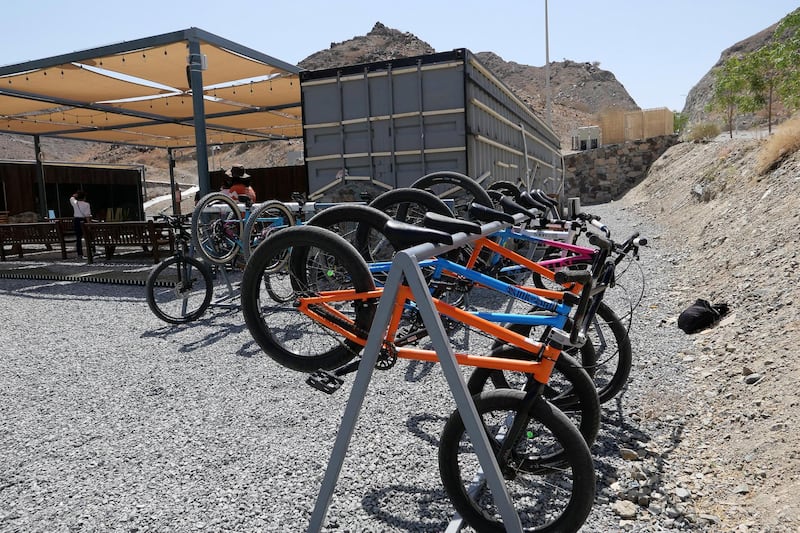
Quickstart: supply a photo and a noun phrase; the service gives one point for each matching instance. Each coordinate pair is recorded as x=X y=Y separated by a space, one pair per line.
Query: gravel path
x=112 y=421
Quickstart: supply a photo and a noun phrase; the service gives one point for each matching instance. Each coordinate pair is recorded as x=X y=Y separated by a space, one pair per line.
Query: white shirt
x=80 y=208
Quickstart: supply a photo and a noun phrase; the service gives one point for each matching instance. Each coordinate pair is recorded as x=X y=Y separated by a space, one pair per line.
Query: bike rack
x=406 y=263
x=224 y=301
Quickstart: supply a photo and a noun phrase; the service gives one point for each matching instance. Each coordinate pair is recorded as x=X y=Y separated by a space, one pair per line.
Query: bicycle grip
x=600 y=241
x=572 y=276
x=599 y=225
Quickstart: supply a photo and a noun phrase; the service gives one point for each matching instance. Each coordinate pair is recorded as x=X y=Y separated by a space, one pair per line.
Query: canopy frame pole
x=195 y=71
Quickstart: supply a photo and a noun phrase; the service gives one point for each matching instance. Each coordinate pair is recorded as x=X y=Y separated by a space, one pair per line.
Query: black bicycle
x=179 y=289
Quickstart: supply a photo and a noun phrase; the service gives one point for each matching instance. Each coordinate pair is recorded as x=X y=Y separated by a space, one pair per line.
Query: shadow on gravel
x=212 y=329
x=418 y=370
x=425 y=426
x=73 y=290
x=645 y=468
x=394 y=505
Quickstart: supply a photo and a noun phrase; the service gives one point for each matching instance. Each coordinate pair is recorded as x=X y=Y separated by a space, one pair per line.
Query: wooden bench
x=109 y=235
x=44 y=233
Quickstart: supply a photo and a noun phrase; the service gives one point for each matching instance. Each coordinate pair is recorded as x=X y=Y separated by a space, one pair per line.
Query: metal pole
x=196 y=67
x=548 y=98
x=40 y=178
x=171 y=157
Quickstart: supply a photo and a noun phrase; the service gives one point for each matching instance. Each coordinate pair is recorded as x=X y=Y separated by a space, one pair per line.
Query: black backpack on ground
x=701 y=315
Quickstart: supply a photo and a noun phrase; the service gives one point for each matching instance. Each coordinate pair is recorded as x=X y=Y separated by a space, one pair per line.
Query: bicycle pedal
x=324 y=381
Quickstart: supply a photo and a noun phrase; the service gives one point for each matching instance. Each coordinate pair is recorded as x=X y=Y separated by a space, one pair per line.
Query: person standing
x=177 y=199
x=82 y=212
x=241 y=182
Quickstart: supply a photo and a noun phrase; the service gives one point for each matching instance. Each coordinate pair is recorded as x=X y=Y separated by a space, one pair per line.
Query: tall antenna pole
x=548 y=99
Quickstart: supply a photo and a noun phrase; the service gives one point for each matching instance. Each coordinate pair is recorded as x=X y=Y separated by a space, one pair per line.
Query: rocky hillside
x=734 y=236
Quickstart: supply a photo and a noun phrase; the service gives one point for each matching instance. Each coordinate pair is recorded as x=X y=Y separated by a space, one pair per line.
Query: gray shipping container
x=383 y=125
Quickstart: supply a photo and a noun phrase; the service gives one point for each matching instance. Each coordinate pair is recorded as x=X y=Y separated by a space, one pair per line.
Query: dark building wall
x=110 y=191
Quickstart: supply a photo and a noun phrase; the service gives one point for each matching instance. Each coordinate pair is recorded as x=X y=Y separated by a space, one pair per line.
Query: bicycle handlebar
x=599 y=225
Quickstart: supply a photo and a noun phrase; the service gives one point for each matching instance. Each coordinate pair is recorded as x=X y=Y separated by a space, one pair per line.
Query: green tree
x=754 y=81
x=679 y=121
x=730 y=90
x=764 y=71
x=787 y=34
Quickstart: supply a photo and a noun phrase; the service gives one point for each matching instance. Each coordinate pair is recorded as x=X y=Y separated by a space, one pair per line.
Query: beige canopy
x=142 y=93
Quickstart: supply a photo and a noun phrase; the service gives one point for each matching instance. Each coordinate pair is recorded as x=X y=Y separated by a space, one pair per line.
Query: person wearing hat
x=241 y=182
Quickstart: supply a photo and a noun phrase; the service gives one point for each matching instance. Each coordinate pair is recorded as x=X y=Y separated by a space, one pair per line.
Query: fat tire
x=369 y=223
x=506 y=188
x=594 y=361
x=399 y=199
x=472 y=190
x=576 y=454
x=624 y=357
x=263 y=328
x=157 y=284
x=200 y=232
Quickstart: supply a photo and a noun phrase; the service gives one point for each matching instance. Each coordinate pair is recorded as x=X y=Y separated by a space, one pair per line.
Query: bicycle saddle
x=530 y=202
x=449 y=224
x=541 y=197
x=406 y=235
x=510 y=206
x=487 y=214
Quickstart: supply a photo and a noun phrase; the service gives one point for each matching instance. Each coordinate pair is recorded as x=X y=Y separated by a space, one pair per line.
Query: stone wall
x=607 y=173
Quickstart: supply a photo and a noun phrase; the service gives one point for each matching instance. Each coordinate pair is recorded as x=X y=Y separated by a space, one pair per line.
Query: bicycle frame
x=545 y=268
x=545 y=355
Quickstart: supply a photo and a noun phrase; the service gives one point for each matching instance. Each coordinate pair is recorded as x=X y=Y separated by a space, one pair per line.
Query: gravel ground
x=111 y=420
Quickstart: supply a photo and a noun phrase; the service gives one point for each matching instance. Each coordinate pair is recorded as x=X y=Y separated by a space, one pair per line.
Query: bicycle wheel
x=570 y=388
x=547 y=499
x=461 y=189
x=612 y=345
x=179 y=289
x=217 y=228
x=505 y=188
x=410 y=205
x=263 y=221
x=320 y=261
x=361 y=226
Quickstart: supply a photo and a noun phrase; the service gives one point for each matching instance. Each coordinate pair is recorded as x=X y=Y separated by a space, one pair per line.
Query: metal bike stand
x=225 y=301
x=406 y=264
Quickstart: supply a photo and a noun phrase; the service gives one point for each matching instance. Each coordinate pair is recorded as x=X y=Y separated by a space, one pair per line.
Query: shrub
x=703 y=132
x=780 y=145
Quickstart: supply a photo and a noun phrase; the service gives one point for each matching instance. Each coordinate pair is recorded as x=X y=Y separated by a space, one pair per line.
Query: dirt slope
x=735 y=236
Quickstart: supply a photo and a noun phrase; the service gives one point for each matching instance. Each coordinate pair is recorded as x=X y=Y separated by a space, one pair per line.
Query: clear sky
x=657 y=49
